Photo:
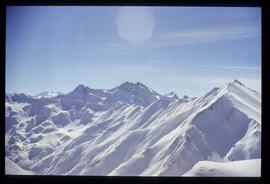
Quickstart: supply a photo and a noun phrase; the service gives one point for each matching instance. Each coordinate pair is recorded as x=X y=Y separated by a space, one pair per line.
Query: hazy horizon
x=182 y=49
x=39 y=93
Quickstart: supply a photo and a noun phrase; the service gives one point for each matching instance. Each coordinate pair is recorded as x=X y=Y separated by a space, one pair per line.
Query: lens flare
x=135 y=24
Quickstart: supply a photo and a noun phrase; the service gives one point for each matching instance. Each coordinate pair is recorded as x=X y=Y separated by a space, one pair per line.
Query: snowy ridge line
x=131 y=130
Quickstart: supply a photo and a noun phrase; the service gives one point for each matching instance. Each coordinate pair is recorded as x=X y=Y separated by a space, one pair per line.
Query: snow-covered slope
x=243 y=168
x=13 y=169
x=131 y=130
x=47 y=94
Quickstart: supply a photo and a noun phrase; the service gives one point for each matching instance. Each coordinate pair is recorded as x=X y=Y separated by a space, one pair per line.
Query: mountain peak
x=230 y=87
x=185 y=97
x=80 y=86
x=237 y=82
x=80 y=90
x=172 y=95
x=131 y=85
x=126 y=84
x=138 y=83
x=135 y=93
x=226 y=124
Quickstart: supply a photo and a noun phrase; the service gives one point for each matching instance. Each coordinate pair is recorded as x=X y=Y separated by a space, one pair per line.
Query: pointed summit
x=134 y=87
x=234 y=85
x=185 y=97
x=139 y=83
x=80 y=87
x=20 y=97
x=126 y=85
x=237 y=82
x=79 y=91
x=172 y=95
x=135 y=93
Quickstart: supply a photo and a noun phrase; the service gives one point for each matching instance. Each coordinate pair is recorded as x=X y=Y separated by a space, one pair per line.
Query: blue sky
x=187 y=50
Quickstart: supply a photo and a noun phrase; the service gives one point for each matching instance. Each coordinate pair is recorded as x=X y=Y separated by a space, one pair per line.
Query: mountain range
x=132 y=130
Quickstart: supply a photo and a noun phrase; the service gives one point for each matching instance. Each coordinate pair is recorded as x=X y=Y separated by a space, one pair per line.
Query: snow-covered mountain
x=47 y=94
x=131 y=130
x=12 y=168
x=243 y=168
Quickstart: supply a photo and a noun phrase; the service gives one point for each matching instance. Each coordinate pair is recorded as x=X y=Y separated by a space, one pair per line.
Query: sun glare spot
x=135 y=24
